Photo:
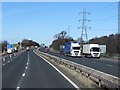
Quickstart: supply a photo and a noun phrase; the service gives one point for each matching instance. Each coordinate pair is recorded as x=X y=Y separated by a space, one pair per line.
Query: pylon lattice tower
x=84 y=36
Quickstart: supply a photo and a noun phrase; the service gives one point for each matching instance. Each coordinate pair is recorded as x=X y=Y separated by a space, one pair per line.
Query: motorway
x=108 y=66
x=28 y=70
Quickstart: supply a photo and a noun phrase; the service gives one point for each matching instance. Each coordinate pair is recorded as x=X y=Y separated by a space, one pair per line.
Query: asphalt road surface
x=107 y=66
x=30 y=71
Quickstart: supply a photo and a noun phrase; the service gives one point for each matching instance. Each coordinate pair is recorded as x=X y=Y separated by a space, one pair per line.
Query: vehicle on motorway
x=103 y=49
x=91 y=50
x=61 y=49
x=72 y=49
x=10 y=49
x=46 y=49
x=27 y=48
x=15 y=49
x=36 y=46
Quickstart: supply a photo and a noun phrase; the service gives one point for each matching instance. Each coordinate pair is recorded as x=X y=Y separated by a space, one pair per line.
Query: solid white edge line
x=99 y=71
x=61 y=73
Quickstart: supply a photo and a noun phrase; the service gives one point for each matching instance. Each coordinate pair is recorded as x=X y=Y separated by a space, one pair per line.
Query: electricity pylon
x=84 y=36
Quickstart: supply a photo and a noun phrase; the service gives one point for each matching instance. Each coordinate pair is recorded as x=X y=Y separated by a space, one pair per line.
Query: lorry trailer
x=72 y=49
x=91 y=50
x=9 y=48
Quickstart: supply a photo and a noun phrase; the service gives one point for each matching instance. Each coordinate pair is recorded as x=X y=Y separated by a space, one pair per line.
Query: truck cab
x=75 y=49
x=27 y=48
x=72 y=49
x=92 y=50
x=95 y=52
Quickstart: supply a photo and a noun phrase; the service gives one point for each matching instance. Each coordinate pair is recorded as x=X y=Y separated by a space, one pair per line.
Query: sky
x=40 y=21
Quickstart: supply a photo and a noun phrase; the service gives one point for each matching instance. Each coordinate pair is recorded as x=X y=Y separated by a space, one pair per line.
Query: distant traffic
x=87 y=50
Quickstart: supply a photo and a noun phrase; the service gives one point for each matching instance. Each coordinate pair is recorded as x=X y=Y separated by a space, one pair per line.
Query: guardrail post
x=4 y=59
x=14 y=54
x=10 y=55
x=88 y=76
x=100 y=78
x=99 y=83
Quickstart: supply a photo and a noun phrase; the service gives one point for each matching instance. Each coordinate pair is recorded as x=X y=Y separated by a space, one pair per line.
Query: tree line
x=24 y=43
x=60 y=39
x=111 y=41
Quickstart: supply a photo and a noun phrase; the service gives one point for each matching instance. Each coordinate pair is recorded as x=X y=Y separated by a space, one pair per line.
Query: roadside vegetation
x=111 y=41
x=24 y=43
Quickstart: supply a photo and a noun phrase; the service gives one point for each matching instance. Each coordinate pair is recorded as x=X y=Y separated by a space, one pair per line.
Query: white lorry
x=10 y=49
x=72 y=49
x=27 y=48
x=103 y=49
x=92 y=50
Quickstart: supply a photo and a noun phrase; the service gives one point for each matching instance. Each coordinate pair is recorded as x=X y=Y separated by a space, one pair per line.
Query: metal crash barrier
x=103 y=80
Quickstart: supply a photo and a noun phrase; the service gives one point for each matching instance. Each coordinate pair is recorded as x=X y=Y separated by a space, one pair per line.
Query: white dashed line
x=93 y=62
x=109 y=65
x=18 y=88
x=25 y=67
x=3 y=59
x=28 y=57
x=23 y=74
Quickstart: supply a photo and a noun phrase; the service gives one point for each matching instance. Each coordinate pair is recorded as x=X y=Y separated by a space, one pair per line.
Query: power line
x=106 y=18
x=103 y=7
x=84 y=26
x=105 y=11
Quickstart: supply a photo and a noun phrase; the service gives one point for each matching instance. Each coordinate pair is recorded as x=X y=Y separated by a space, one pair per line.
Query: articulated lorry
x=71 y=49
x=91 y=50
x=10 y=49
x=75 y=49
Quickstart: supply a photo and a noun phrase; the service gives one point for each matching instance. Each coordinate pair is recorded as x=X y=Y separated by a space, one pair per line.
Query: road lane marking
x=3 y=59
x=93 y=62
x=109 y=65
x=22 y=77
x=23 y=74
x=25 y=67
x=99 y=71
x=18 y=88
x=12 y=58
x=70 y=81
x=28 y=56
